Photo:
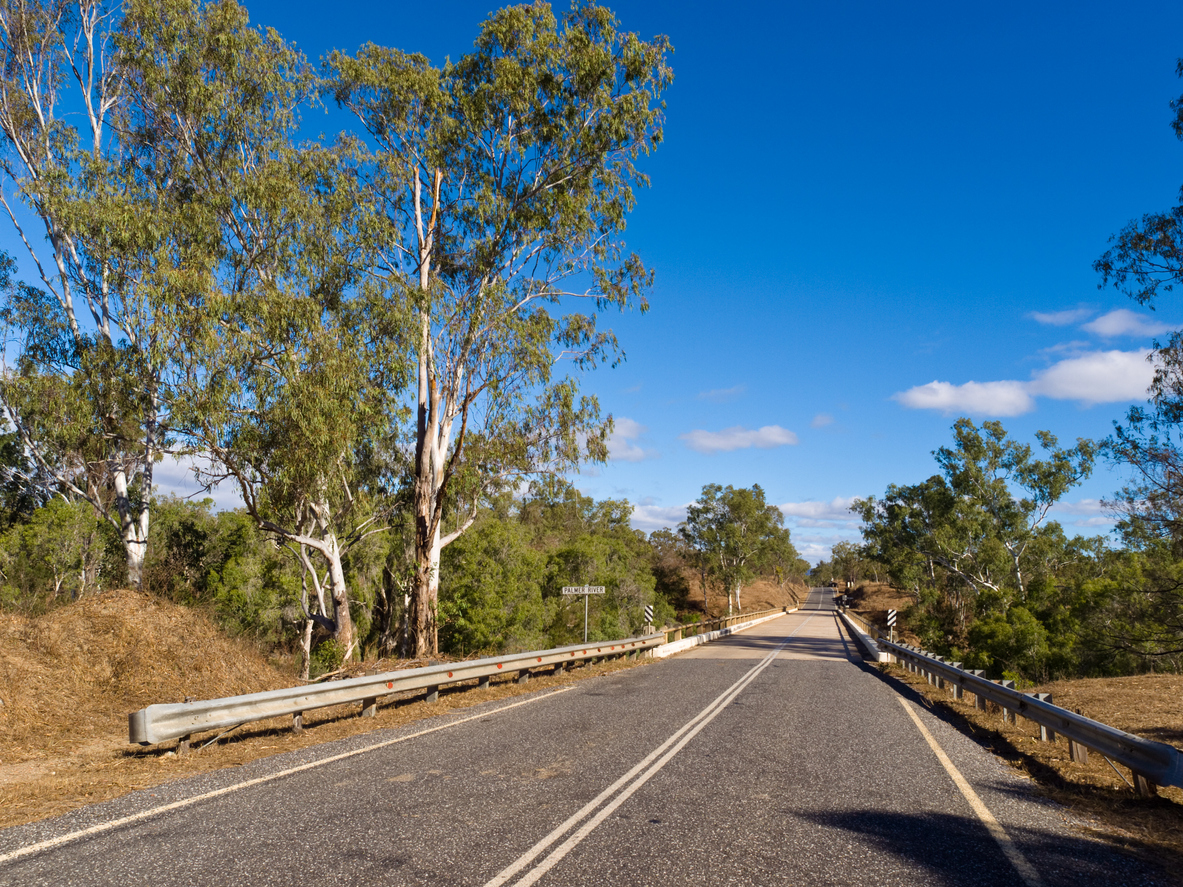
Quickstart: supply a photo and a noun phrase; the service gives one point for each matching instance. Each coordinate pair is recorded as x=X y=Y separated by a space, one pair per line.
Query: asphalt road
x=771 y=757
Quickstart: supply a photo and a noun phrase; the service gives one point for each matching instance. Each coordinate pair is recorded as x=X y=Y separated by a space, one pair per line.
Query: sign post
x=584 y=590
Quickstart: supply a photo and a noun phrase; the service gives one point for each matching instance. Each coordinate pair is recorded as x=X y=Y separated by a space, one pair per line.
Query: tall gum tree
x=86 y=392
x=286 y=364
x=499 y=187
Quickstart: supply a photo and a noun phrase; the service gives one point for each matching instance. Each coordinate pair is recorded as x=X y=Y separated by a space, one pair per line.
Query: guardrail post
x=433 y=694
x=298 y=722
x=523 y=676
x=183 y=745
x=1143 y=786
x=1008 y=716
x=979 y=699
x=483 y=683
x=559 y=668
x=369 y=707
x=956 y=687
x=1046 y=734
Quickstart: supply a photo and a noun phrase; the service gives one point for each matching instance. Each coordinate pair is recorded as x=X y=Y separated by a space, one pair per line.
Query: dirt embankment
x=760 y=594
x=69 y=679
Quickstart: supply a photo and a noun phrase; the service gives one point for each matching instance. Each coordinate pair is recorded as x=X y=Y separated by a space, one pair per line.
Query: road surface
x=775 y=756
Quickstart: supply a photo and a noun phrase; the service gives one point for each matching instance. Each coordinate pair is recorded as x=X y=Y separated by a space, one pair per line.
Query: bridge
x=773 y=756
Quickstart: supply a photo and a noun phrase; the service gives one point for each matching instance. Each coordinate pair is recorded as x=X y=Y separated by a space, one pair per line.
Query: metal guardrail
x=690 y=629
x=1152 y=763
x=164 y=722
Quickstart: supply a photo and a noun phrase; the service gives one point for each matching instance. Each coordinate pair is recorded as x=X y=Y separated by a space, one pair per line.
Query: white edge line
x=1016 y=858
x=187 y=802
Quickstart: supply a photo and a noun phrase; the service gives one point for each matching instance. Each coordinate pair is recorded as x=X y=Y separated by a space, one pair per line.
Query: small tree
x=731 y=529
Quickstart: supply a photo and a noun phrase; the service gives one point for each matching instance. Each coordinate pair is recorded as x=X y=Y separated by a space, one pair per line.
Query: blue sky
x=860 y=209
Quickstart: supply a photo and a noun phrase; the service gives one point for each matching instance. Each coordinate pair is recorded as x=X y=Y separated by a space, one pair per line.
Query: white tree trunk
x=344 y=635
x=306 y=649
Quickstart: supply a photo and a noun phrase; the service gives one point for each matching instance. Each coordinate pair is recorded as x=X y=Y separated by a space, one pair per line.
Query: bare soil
x=69 y=679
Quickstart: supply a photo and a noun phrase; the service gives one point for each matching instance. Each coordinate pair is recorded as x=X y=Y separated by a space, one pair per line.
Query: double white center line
x=592 y=814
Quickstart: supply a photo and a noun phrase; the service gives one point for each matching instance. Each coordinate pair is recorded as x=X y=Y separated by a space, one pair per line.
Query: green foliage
x=498 y=186
x=326 y=656
x=991 y=575
x=491 y=598
x=61 y=552
x=502 y=589
x=731 y=531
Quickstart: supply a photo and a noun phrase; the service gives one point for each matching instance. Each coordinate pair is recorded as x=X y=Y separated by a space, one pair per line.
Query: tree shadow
x=959 y=850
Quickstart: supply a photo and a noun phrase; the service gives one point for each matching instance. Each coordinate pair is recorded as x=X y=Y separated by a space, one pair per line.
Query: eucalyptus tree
x=500 y=185
x=285 y=363
x=85 y=393
x=987 y=468
x=982 y=520
x=1146 y=262
x=732 y=529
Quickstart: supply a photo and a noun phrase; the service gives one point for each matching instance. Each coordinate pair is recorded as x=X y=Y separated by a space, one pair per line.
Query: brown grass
x=872 y=600
x=69 y=679
x=761 y=594
x=1146 y=705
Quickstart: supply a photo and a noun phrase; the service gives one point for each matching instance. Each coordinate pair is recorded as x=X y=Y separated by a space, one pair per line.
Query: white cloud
x=1123 y=322
x=818 y=548
x=1090 y=378
x=723 y=395
x=654 y=517
x=738 y=438
x=172 y=476
x=1061 y=318
x=837 y=509
x=621 y=446
x=976 y=398
x=821 y=420
x=1090 y=522
x=1084 y=506
x=1098 y=377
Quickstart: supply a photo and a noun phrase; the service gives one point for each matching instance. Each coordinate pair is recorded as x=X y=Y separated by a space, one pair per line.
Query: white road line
x=1009 y=849
x=678 y=740
x=230 y=789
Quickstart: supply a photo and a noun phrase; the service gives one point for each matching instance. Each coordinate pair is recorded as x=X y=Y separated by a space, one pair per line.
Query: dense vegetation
x=500 y=589
x=998 y=585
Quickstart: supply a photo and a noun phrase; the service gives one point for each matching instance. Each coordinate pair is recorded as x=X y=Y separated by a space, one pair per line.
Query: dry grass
x=69 y=679
x=872 y=600
x=761 y=594
x=1146 y=705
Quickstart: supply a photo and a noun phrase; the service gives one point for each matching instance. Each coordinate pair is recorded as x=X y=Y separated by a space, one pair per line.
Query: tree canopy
x=498 y=187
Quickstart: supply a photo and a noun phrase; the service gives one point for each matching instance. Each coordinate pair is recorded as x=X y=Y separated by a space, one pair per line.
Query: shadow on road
x=959 y=850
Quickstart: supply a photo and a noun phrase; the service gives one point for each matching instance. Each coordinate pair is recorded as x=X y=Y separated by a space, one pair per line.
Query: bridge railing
x=690 y=629
x=1151 y=763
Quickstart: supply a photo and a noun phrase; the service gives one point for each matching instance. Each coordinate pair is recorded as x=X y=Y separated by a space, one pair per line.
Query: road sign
x=649 y=614
x=584 y=590
x=890 y=618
